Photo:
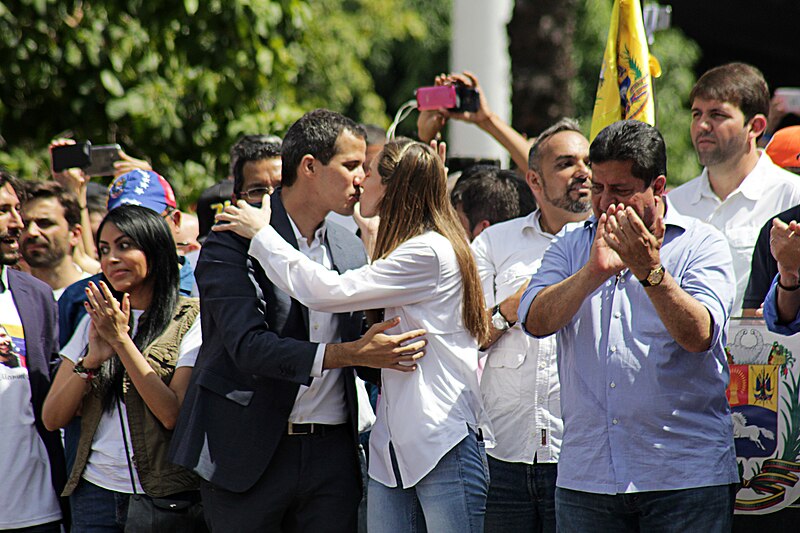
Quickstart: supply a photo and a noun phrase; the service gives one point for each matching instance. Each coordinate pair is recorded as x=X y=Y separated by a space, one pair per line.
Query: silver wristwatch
x=499 y=322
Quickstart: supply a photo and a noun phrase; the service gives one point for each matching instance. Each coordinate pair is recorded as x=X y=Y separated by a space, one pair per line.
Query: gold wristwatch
x=654 y=278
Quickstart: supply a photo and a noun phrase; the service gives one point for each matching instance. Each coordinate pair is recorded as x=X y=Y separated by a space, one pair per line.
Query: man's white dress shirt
x=423 y=413
x=520 y=385
x=764 y=193
x=323 y=401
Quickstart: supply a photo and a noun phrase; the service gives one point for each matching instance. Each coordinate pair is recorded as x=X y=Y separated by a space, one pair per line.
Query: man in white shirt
x=52 y=230
x=740 y=187
x=520 y=380
x=31 y=458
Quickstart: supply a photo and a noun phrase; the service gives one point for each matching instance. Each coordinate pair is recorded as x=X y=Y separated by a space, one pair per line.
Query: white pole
x=480 y=45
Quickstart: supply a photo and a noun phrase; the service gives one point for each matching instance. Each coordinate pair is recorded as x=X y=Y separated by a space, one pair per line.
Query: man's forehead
x=711 y=104
x=8 y=196
x=618 y=172
x=349 y=141
x=565 y=143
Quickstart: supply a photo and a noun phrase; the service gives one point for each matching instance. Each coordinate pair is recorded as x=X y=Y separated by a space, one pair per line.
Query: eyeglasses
x=255 y=194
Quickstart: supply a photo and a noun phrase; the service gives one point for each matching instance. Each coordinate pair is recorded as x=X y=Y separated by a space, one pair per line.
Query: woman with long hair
x=125 y=372
x=427 y=462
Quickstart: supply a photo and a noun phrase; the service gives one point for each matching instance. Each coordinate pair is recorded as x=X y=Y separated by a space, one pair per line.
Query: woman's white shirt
x=424 y=413
x=107 y=466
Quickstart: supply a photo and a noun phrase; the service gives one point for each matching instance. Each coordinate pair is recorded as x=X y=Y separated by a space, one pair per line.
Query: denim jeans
x=521 y=497
x=98 y=510
x=451 y=498
x=701 y=510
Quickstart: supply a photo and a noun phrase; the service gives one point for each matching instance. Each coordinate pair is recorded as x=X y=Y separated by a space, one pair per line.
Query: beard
x=43 y=258
x=8 y=256
x=720 y=152
x=567 y=202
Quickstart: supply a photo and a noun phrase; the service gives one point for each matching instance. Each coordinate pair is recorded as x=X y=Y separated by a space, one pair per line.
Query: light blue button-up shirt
x=640 y=412
x=771 y=313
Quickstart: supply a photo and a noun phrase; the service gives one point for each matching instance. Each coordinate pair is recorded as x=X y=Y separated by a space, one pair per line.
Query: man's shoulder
x=76 y=289
x=17 y=278
x=682 y=194
x=793 y=213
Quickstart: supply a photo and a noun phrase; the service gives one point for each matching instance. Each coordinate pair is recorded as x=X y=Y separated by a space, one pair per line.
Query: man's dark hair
x=50 y=189
x=631 y=140
x=739 y=84
x=251 y=148
x=375 y=134
x=314 y=134
x=535 y=153
x=486 y=192
x=19 y=189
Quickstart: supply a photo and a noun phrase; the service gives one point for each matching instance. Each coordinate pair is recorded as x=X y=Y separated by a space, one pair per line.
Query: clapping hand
x=244 y=219
x=634 y=244
x=109 y=317
x=784 y=242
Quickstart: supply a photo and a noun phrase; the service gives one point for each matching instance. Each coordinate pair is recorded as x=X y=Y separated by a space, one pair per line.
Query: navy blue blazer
x=37 y=311
x=254 y=357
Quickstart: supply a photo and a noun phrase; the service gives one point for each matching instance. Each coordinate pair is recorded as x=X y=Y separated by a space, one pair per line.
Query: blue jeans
x=701 y=510
x=451 y=498
x=98 y=510
x=521 y=497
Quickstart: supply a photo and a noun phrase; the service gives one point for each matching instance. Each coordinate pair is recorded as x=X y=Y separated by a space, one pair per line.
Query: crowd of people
x=344 y=338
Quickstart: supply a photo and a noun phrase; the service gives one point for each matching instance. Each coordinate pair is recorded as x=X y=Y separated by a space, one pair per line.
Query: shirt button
x=615 y=421
x=617 y=315
x=316 y=327
x=613 y=348
x=613 y=385
x=542 y=365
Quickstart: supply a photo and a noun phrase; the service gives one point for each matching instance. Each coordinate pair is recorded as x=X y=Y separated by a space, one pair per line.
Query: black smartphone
x=71 y=156
x=468 y=99
x=102 y=159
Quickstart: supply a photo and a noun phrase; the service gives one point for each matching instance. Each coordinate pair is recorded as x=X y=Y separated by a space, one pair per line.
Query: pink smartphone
x=442 y=96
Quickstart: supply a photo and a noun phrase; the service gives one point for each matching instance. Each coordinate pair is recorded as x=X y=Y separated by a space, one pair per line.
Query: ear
x=534 y=180
x=758 y=124
x=479 y=227
x=176 y=218
x=307 y=165
x=75 y=233
x=659 y=185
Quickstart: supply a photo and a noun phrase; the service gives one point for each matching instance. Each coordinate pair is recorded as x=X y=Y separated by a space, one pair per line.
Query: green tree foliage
x=178 y=81
x=677 y=54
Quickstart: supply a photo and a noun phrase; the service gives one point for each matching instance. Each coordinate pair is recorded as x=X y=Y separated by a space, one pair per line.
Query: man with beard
x=740 y=188
x=639 y=296
x=520 y=380
x=31 y=458
x=52 y=230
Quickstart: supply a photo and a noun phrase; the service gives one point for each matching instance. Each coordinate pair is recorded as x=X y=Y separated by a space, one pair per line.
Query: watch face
x=499 y=322
x=656 y=276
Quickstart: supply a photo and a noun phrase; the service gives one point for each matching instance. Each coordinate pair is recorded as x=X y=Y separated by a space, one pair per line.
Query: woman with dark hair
x=125 y=371
x=427 y=466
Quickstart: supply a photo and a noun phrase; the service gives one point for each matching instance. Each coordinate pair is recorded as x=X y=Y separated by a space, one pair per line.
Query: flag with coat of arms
x=625 y=90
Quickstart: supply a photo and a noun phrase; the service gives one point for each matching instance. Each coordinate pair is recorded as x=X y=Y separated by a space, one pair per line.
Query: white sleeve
x=410 y=274
x=481 y=250
x=78 y=342
x=190 y=345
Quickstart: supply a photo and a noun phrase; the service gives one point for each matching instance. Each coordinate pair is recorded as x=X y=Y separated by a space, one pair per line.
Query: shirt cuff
x=525 y=306
x=319 y=358
x=771 y=313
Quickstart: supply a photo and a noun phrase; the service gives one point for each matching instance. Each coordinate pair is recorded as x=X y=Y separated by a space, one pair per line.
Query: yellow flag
x=625 y=90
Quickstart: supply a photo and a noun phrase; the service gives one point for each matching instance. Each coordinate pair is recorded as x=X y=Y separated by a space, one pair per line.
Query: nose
x=359 y=176
x=15 y=220
x=31 y=228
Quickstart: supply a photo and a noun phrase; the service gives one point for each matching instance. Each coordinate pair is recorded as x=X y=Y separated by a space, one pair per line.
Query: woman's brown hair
x=416 y=201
